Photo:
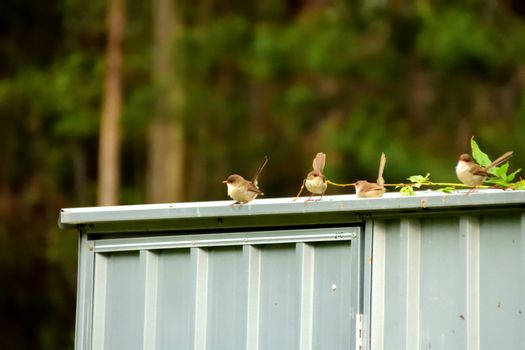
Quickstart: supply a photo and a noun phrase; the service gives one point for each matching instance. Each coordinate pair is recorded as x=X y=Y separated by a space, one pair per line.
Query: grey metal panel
x=501 y=283
x=375 y=297
x=393 y=311
x=442 y=286
x=333 y=309
x=175 y=290
x=264 y=296
x=149 y=262
x=469 y=270
x=200 y=269
x=279 y=300
x=370 y=314
x=411 y=278
x=123 y=319
x=252 y=263
x=461 y=286
x=424 y=305
x=305 y=260
x=85 y=282
x=226 y=311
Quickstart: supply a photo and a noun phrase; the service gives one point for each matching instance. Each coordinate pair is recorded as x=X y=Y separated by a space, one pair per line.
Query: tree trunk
x=166 y=138
x=110 y=133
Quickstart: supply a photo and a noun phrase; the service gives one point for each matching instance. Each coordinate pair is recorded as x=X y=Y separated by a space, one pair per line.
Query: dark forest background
x=131 y=102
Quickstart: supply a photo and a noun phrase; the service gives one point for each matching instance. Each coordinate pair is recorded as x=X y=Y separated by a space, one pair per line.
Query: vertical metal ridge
x=149 y=267
x=469 y=229
x=522 y=301
x=199 y=257
x=85 y=290
x=305 y=254
x=252 y=256
x=358 y=277
x=410 y=232
x=99 y=301
x=378 y=282
x=365 y=257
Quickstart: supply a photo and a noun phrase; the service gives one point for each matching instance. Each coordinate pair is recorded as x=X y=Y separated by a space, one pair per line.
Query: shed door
x=293 y=289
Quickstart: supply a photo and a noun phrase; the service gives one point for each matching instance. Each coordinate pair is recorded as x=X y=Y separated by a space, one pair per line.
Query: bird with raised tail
x=315 y=181
x=365 y=189
x=242 y=190
x=472 y=174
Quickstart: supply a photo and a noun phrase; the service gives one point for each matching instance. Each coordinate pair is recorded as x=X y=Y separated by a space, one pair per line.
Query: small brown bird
x=242 y=190
x=365 y=189
x=471 y=173
x=315 y=181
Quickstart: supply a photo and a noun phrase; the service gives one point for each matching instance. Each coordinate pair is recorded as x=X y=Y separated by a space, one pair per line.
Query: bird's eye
x=315 y=175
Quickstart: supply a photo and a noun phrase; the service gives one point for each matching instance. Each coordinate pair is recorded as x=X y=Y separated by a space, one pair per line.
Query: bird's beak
x=225 y=181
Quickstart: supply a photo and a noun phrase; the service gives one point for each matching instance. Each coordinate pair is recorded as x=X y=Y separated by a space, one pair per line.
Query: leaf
x=511 y=176
x=407 y=191
x=500 y=171
x=479 y=156
x=419 y=180
x=499 y=182
x=520 y=185
x=448 y=189
x=501 y=175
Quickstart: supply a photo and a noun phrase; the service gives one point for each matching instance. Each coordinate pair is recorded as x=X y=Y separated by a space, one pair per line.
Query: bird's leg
x=309 y=198
x=472 y=190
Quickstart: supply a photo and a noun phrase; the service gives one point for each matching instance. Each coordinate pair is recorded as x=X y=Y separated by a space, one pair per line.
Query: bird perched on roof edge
x=365 y=189
x=472 y=174
x=315 y=181
x=242 y=190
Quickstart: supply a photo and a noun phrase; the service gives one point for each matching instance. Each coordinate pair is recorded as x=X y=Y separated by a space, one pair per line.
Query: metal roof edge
x=393 y=201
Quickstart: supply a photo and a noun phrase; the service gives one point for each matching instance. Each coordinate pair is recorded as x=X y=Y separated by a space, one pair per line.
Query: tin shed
x=431 y=271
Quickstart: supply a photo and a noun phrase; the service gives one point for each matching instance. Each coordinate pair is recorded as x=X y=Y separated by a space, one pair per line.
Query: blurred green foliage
x=283 y=78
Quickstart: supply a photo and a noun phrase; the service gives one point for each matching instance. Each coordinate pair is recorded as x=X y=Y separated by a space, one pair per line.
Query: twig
x=340 y=185
x=441 y=184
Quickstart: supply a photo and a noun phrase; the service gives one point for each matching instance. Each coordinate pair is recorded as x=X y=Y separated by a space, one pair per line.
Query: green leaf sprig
x=500 y=177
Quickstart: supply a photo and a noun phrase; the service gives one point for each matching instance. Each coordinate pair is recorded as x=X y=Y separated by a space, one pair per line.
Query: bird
x=472 y=174
x=365 y=189
x=242 y=190
x=315 y=181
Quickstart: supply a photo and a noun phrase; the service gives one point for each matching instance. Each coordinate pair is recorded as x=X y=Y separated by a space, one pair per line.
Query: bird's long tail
x=256 y=177
x=380 y=180
x=319 y=162
x=500 y=160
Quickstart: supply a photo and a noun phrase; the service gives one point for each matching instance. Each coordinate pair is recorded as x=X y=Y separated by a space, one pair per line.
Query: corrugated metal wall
x=295 y=289
x=422 y=273
x=449 y=282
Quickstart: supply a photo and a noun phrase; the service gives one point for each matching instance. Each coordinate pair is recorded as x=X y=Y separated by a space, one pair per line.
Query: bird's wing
x=479 y=171
x=250 y=186
x=365 y=189
x=371 y=186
